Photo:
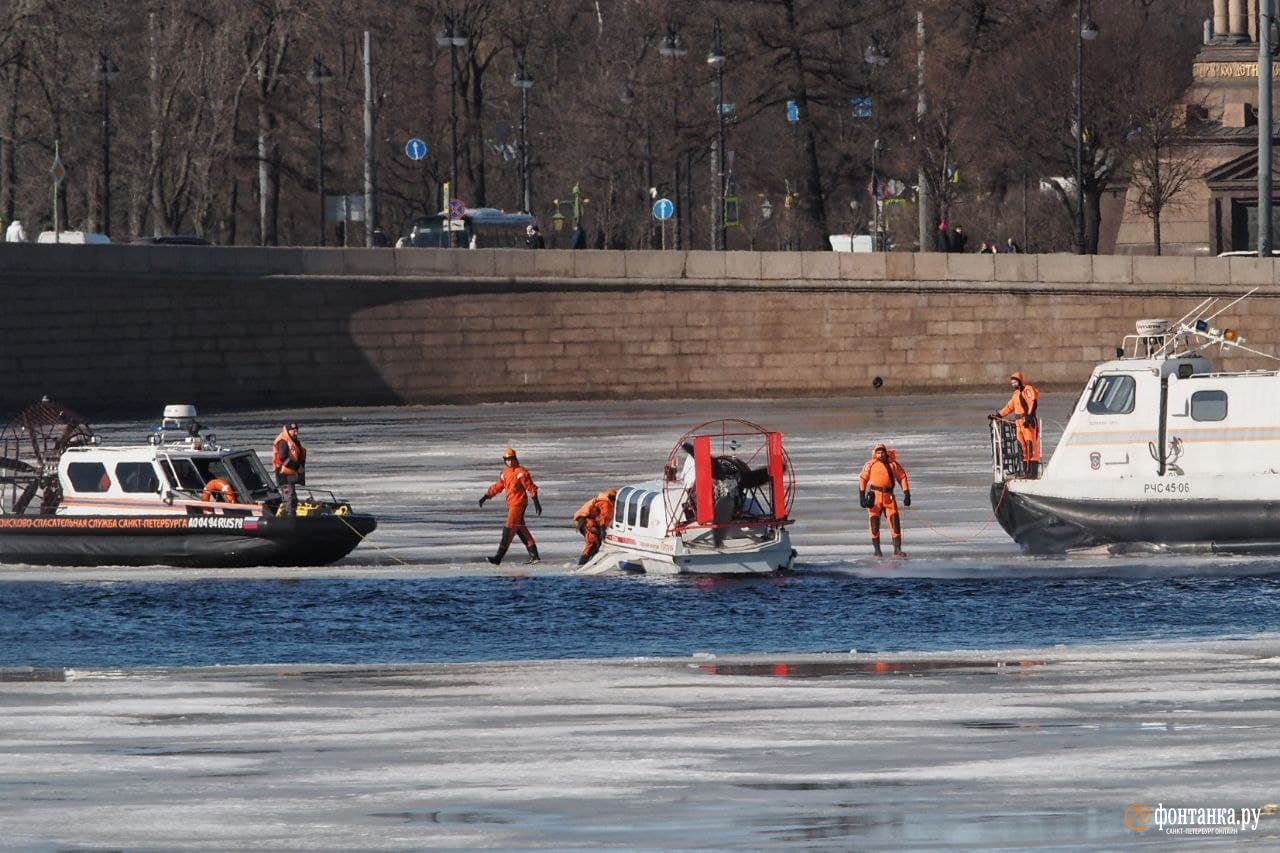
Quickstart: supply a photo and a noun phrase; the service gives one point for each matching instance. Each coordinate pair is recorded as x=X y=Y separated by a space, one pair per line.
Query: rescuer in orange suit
x=875 y=493
x=1024 y=405
x=516 y=481
x=288 y=461
x=593 y=520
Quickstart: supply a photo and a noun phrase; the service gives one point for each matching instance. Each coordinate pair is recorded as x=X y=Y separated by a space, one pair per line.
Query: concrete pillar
x=1219 y=20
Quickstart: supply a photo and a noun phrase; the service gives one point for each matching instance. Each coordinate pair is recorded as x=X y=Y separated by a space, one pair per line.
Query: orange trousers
x=887 y=505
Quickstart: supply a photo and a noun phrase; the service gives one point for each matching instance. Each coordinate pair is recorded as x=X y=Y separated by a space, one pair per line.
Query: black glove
x=483 y=499
x=864 y=500
x=906 y=498
x=993 y=417
x=537 y=506
x=582 y=526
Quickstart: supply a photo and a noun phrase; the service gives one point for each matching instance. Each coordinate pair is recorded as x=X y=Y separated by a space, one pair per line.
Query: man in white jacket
x=15 y=232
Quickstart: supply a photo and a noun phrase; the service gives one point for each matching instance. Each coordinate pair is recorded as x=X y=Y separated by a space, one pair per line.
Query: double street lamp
x=104 y=72
x=523 y=81
x=1086 y=30
x=716 y=59
x=673 y=47
x=318 y=76
x=453 y=38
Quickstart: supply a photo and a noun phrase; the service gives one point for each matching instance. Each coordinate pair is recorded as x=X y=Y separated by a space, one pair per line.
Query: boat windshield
x=251 y=472
x=181 y=474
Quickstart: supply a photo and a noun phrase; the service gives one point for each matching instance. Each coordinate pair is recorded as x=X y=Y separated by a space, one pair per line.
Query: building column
x=1220 y=25
x=1238 y=23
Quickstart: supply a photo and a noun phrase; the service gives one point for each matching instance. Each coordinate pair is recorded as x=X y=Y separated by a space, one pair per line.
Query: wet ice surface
x=420 y=470
x=1019 y=749
x=1020 y=746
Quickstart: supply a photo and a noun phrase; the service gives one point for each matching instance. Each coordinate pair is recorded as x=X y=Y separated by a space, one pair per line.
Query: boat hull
x=1045 y=524
x=764 y=558
x=181 y=541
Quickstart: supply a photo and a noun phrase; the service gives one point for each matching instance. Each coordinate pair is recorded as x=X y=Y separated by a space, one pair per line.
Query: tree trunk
x=9 y=145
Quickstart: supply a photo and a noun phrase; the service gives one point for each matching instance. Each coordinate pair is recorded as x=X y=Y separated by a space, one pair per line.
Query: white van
x=73 y=238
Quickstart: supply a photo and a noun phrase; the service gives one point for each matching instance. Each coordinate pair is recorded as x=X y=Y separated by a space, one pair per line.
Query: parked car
x=170 y=240
x=73 y=238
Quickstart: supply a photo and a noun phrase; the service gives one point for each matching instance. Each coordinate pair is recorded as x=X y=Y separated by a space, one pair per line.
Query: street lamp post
x=716 y=60
x=104 y=72
x=523 y=81
x=673 y=47
x=318 y=76
x=453 y=38
x=1086 y=30
x=875 y=196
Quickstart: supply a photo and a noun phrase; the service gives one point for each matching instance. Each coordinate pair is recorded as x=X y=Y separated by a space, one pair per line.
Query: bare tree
x=1163 y=164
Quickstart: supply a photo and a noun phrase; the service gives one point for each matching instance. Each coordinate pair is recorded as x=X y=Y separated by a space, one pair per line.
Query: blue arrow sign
x=663 y=209
x=793 y=112
x=415 y=149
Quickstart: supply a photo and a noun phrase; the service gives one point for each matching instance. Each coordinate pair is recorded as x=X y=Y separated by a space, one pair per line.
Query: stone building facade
x=1218 y=211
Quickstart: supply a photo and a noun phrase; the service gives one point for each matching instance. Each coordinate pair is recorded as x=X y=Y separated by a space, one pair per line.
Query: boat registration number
x=1166 y=488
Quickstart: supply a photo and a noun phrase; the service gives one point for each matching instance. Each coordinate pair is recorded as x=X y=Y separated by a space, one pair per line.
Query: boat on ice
x=1161 y=451
x=176 y=498
x=722 y=507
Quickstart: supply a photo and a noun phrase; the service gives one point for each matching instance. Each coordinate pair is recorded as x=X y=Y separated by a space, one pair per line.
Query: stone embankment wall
x=125 y=328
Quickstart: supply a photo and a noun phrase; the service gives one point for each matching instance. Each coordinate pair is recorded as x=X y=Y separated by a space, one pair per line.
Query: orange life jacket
x=880 y=475
x=296 y=458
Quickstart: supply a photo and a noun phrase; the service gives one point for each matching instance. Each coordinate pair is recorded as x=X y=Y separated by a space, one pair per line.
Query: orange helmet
x=508 y=453
x=878 y=448
x=1022 y=380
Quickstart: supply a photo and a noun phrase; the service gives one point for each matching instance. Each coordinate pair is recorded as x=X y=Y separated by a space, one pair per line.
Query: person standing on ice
x=517 y=482
x=592 y=520
x=875 y=494
x=1023 y=405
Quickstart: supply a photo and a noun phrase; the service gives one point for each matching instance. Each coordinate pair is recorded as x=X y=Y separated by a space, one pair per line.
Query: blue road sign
x=415 y=149
x=456 y=208
x=793 y=112
x=861 y=106
x=663 y=209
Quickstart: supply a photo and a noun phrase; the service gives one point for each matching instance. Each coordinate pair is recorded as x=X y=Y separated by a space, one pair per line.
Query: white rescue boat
x=722 y=508
x=1161 y=452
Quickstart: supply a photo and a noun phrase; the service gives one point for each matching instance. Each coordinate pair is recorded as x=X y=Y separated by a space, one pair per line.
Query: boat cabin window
x=251 y=472
x=88 y=476
x=137 y=477
x=181 y=474
x=212 y=469
x=1112 y=395
x=1209 y=406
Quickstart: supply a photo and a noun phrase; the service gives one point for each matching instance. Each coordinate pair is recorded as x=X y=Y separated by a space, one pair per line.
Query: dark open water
x=203 y=622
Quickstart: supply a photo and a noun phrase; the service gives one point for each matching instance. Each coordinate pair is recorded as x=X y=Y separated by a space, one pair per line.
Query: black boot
x=507 y=534
x=533 y=556
x=875 y=535
x=897 y=546
x=582 y=561
x=1033 y=470
x=875 y=543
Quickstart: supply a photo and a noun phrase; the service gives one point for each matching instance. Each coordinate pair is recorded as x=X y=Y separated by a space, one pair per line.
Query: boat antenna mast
x=1195 y=330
